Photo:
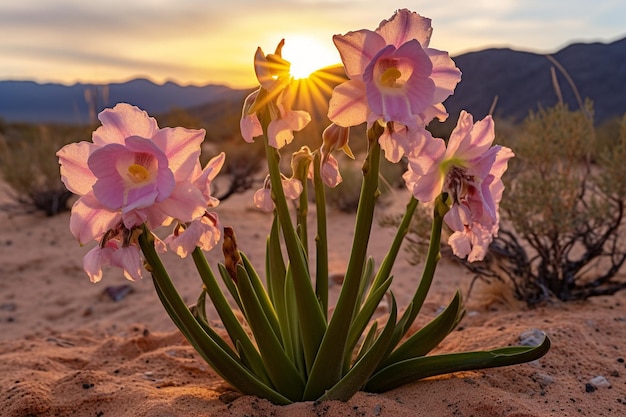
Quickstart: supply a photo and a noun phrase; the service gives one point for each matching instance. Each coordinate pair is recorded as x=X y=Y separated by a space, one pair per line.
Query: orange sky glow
x=199 y=42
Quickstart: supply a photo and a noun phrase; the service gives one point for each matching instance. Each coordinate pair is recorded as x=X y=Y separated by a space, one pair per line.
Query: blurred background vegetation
x=562 y=211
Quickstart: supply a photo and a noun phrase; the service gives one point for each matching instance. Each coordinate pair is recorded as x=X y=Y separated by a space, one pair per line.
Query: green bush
x=29 y=166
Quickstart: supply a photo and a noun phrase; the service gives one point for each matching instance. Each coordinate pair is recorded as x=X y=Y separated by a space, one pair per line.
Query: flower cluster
x=398 y=81
x=133 y=173
x=284 y=346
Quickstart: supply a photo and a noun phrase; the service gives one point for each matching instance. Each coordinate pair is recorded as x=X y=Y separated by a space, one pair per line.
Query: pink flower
x=118 y=248
x=275 y=97
x=205 y=230
x=263 y=197
x=394 y=77
x=334 y=137
x=134 y=171
x=469 y=172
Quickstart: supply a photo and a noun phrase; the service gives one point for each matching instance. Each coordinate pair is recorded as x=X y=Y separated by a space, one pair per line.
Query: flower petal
x=357 y=49
x=75 y=172
x=181 y=147
x=90 y=220
x=348 y=104
x=123 y=121
x=405 y=25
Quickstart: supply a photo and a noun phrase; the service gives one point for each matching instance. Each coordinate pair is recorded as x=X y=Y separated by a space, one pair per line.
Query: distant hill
x=27 y=101
x=521 y=81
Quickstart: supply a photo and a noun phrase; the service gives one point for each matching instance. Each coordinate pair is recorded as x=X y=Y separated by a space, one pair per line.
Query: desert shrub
x=562 y=211
x=562 y=215
x=29 y=167
x=242 y=166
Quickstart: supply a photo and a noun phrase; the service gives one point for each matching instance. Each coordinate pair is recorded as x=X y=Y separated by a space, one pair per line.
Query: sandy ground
x=67 y=348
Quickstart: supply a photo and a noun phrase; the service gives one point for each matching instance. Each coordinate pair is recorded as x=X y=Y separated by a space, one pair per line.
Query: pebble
x=532 y=337
x=600 y=382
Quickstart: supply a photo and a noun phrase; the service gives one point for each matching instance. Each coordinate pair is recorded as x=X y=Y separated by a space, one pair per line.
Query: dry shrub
x=562 y=210
x=561 y=214
x=30 y=168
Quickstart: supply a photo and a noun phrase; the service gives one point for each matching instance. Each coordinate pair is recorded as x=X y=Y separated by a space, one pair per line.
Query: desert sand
x=69 y=347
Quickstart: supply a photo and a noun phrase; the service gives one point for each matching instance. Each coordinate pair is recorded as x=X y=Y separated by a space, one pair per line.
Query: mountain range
x=516 y=82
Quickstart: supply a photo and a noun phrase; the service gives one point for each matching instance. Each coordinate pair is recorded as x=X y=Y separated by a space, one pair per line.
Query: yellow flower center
x=390 y=76
x=138 y=173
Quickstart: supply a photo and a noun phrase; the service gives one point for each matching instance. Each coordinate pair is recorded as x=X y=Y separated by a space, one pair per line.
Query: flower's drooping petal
x=128 y=259
x=94 y=260
x=203 y=232
x=445 y=74
x=263 y=199
x=473 y=243
x=280 y=130
x=424 y=187
x=206 y=177
x=185 y=203
x=470 y=140
x=357 y=49
x=123 y=121
x=404 y=26
x=399 y=140
x=249 y=124
x=348 y=104
x=75 y=173
x=181 y=148
x=90 y=219
x=292 y=187
x=329 y=172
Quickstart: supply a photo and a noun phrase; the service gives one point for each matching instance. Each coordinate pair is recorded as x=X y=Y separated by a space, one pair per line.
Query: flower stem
x=309 y=311
x=432 y=258
x=321 y=240
x=328 y=366
x=225 y=365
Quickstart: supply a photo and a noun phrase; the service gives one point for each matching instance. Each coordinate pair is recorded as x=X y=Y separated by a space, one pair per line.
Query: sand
x=67 y=348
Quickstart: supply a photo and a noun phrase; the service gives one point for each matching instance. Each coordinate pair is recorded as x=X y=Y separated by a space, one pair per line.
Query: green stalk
x=311 y=318
x=226 y=366
x=321 y=240
x=394 y=249
x=432 y=258
x=235 y=331
x=328 y=366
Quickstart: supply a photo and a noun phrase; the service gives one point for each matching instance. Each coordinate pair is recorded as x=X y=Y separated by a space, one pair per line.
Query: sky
x=198 y=42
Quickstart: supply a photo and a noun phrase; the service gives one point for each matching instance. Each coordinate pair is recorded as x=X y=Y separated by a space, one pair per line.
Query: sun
x=308 y=54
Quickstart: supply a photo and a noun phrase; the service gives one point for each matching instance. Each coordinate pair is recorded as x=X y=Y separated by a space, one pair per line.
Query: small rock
x=600 y=382
x=118 y=292
x=544 y=379
x=532 y=337
x=589 y=388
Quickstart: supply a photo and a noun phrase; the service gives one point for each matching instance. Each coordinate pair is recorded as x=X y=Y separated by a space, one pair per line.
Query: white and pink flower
x=395 y=79
x=469 y=172
x=134 y=173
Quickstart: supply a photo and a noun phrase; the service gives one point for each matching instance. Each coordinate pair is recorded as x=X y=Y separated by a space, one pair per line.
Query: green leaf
x=225 y=365
x=357 y=376
x=429 y=336
x=321 y=239
x=261 y=294
x=281 y=370
x=230 y=284
x=364 y=316
x=224 y=310
x=411 y=370
x=312 y=319
x=328 y=366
